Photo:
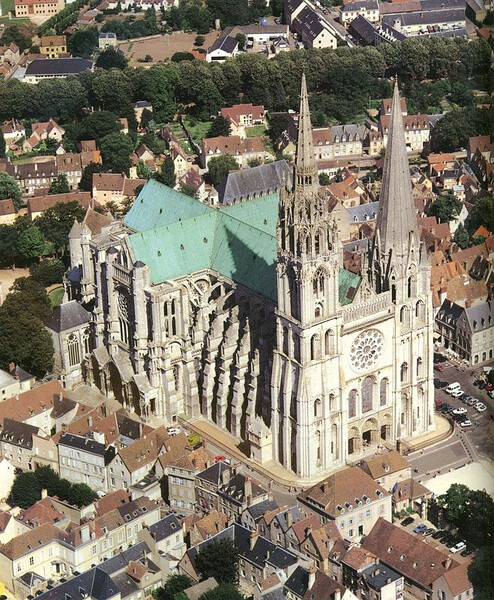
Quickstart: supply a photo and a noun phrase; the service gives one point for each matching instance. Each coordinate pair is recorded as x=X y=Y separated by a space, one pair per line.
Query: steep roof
x=59 y=66
x=379 y=466
x=33 y=402
x=67 y=316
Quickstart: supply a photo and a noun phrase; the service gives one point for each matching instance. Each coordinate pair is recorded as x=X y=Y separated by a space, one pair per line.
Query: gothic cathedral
x=244 y=314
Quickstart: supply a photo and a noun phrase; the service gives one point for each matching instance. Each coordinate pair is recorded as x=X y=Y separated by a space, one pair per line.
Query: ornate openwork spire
x=305 y=165
x=396 y=220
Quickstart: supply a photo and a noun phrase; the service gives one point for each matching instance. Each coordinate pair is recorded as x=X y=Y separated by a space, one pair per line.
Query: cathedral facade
x=245 y=315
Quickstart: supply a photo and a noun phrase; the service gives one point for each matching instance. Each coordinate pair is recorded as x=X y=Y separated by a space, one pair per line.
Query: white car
x=480 y=406
x=472 y=401
x=173 y=431
x=466 y=423
x=458 y=547
x=457 y=393
x=460 y=411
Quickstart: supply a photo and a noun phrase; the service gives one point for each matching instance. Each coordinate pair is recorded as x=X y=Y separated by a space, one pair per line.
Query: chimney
x=85 y=537
x=447 y=563
x=308 y=530
x=337 y=594
x=312 y=577
x=248 y=490
x=225 y=474
x=289 y=518
x=253 y=539
x=44 y=493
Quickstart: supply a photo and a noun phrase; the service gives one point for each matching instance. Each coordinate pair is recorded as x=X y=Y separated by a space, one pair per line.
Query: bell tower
x=308 y=266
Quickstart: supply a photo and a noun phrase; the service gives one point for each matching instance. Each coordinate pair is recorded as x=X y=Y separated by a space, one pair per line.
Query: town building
x=39 y=70
x=107 y=40
x=265 y=340
x=369 y=9
x=114 y=187
x=240 y=116
x=243 y=150
x=37 y=8
x=37 y=205
x=84 y=460
x=53 y=45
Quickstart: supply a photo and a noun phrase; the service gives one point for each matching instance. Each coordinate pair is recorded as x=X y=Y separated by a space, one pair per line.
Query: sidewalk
x=444 y=429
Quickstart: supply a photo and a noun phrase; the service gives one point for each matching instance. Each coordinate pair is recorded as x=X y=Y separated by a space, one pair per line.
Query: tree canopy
x=225 y=591
x=111 y=59
x=445 y=208
x=10 y=189
x=481 y=573
x=116 y=149
x=219 y=127
x=56 y=222
x=175 y=584
x=218 y=560
x=220 y=166
x=59 y=185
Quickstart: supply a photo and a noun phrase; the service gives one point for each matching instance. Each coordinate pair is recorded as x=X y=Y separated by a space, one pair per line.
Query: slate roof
x=258 y=510
x=356 y=5
x=164 y=528
x=363 y=212
x=364 y=29
x=481 y=316
x=58 y=66
x=213 y=473
x=323 y=589
x=426 y=18
x=257 y=181
x=225 y=43
x=82 y=443
x=378 y=576
x=18 y=433
x=177 y=235
x=67 y=316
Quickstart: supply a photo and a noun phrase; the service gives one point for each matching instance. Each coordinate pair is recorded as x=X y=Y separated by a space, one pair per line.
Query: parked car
x=488 y=387
x=439 y=367
x=460 y=411
x=480 y=406
x=439 y=533
x=439 y=358
x=457 y=393
x=438 y=403
x=482 y=385
x=464 y=396
x=477 y=382
x=420 y=528
x=442 y=385
x=467 y=552
x=457 y=547
x=173 y=430
x=472 y=401
x=429 y=531
x=466 y=423
x=407 y=521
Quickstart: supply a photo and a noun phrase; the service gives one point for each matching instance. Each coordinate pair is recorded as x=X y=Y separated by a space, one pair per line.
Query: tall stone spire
x=396 y=220
x=305 y=164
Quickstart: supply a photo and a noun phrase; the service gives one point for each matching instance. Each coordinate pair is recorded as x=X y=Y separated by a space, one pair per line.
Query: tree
x=81 y=494
x=12 y=35
x=83 y=42
x=116 y=149
x=95 y=126
x=30 y=295
x=481 y=573
x=111 y=59
x=174 y=585
x=56 y=223
x=482 y=213
x=47 y=479
x=8 y=245
x=86 y=182
x=25 y=490
x=59 y=185
x=218 y=560
x=453 y=501
x=146 y=117
x=241 y=39
x=277 y=125
x=3 y=146
x=219 y=127
x=180 y=56
x=199 y=41
x=167 y=175
x=445 y=208
x=10 y=189
x=220 y=166
x=476 y=525
x=31 y=243
x=461 y=237
x=188 y=190
x=324 y=179
x=47 y=272
x=142 y=170
x=225 y=591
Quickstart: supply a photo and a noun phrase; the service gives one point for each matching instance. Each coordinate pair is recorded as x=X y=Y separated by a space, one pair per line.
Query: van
x=452 y=387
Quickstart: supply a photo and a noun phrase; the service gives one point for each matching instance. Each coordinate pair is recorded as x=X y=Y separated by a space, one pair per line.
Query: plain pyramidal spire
x=305 y=164
x=396 y=220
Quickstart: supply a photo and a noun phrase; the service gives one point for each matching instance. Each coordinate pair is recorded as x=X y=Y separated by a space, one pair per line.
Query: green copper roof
x=176 y=235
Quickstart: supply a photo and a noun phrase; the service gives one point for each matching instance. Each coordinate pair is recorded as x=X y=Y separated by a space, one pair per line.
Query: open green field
x=255 y=131
x=198 y=130
x=56 y=296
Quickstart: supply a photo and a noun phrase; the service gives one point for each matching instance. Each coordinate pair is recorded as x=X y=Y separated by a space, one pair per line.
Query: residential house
x=453 y=584
x=53 y=45
x=352 y=499
x=182 y=162
x=238 y=493
x=468 y=332
x=353 y=564
x=37 y=173
x=49 y=130
x=37 y=205
x=208 y=483
x=208 y=526
x=366 y=8
x=388 y=469
x=107 y=40
x=241 y=116
x=313 y=30
x=222 y=48
x=193 y=180
x=427 y=22
x=7 y=476
x=114 y=187
x=37 y=8
x=439 y=162
x=418 y=562
x=12 y=131
x=324 y=546
x=242 y=150
x=253 y=514
x=58 y=68
x=139 y=108
x=8 y=214
x=70 y=164
x=10 y=57
x=26 y=446
x=417 y=131
x=165 y=536
x=312 y=584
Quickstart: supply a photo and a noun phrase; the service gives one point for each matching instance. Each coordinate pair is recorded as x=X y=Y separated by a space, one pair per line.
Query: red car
x=439 y=403
x=439 y=367
x=219 y=458
x=488 y=387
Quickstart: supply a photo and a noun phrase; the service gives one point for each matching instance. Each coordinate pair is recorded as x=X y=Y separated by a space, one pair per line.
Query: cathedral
x=244 y=315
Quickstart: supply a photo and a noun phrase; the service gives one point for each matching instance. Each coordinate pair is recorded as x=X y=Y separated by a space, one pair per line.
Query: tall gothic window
x=317 y=408
x=367 y=393
x=420 y=363
x=124 y=316
x=73 y=350
x=329 y=342
x=176 y=376
x=86 y=340
x=318 y=445
x=352 y=404
x=383 y=392
x=169 y=312
x=315 y=347
x=404 y=372
x=318 y=283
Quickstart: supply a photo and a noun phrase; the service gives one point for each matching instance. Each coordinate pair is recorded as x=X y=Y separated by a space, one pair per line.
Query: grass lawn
x=56 y=296
x=255 y=131
x=199 y=130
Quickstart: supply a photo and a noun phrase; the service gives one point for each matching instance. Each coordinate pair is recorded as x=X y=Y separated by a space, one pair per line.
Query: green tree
x=482 y=213
x=116 y=149
x=181 y=56
x=146 y=117
x=111 y=59
x=86 y=182
x=47 y=272
x=277 y=125
x=225 y=591
x=31 y=243
x=208 y=99
x=461 y=237
x=3 y=145
x=199 y=41
x=83 y=42
x=445 y=208
x=220 y=166
x=218 y=560
x=47 y=479
x=8 y=245
x=241 y=39
x=81 y=494
x=219 y=127
x=167 y=175
x=95 y=126
x=174 y=585
x=324 y=179
x=12 y=35
x=25 y=490
x=453 y=501
x=56 y=223
x=188 y=190
x=30 y=295
x=481 y=573
x=476 y=525
x=10 y=189
x=142 y=170
x=59 y=185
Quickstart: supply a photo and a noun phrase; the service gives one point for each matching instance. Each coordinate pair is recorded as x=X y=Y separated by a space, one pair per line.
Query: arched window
x=285 y=340
x=367 y=394
x=318 y=445
x=317 y=407
x=317 y=243
x=315 y=346
x=420 y=311
x=393 y=293
x=296 y=347
x=73 y=350
x=352 y=404
x=404 y=372
x=170 y=320
x=329 y=342
x=383 y=392
x=125 y=313
x=334 y=440
x=405 y=316
x=318 y=311
x=420 y=364
x=86 y=340
x=318 y=284
x=332 y=402
x=176 y=376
